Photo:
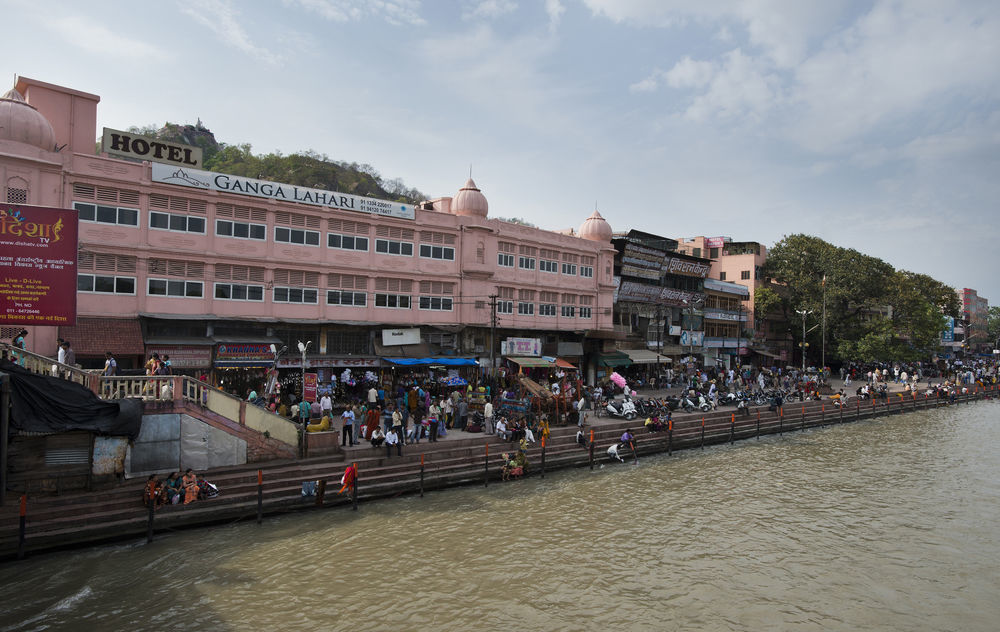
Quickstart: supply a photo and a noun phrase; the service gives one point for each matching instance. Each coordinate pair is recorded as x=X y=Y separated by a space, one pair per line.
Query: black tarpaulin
x=41 y=403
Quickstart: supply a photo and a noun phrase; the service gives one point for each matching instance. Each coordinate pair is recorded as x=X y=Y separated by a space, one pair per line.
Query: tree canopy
x=873 y=311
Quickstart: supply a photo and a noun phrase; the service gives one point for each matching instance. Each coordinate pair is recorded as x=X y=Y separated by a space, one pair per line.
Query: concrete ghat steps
x=113 y=514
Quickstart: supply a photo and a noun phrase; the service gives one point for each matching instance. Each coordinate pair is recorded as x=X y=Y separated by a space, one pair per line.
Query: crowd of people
x=177 y=489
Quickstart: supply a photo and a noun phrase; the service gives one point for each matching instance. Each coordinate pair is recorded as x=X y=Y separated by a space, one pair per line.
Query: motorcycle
x=689 y=404
x=622 y=408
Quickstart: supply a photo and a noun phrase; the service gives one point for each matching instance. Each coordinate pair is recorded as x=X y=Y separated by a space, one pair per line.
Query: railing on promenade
x=42 y=365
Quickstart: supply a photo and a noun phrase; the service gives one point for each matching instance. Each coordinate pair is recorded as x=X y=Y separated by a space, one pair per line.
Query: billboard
x=37 y=265
x=128 y=145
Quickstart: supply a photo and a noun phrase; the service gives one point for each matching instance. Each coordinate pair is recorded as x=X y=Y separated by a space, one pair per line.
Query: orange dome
x=470 y=201
x=595 y=228
x=23 y=123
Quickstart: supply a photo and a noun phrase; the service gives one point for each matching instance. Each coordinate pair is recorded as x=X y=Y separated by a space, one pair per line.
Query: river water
x=878 y=525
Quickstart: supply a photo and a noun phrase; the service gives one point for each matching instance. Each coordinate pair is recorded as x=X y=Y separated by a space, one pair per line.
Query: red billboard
x=37 y=265
x=309 y=387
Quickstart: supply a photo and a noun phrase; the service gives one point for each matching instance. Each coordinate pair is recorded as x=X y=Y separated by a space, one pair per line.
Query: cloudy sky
x=874 y=125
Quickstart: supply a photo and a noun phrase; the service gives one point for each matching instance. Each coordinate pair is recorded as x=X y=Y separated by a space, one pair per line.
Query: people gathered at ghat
x=177 y=489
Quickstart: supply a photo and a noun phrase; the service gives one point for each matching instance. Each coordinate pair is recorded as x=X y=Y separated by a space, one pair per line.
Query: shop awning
x=767 y=353
x=615 y=359
x=91 y=337
x=532 y=362
x=565 y=364
x=430 y=361
x=645 y=356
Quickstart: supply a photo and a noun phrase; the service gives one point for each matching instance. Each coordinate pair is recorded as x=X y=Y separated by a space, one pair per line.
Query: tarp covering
x=46 y=404
x=429 y=361
x=615 y=359
x=645 y=356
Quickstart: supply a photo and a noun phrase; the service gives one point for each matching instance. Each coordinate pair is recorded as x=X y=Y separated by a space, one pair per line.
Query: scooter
x=624 y=408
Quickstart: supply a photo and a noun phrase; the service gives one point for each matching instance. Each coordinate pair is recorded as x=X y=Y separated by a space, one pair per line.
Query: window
x=505 y=260
x=569 y=311
x=107 y=214
x=101 y=284
x=713 y=253
x=428 y=251
x=437 y=303
x=569 y=268
x=346 y=242
x=389 y=247
x=240 y=230
x=745 y=275
x=585 y=312
x=722 y=276
x=526 y=309
x=526 y=263
x=505 y=307
x=758 y=273
x=295 y=295
x=546 y=309
x=696 y=252
x=348 y=343
x=346 y=299
x=239 y=292
x=296 y=236
x=175 y=287
x=181 y=223
x=587 y=271
x=546 y=265
x=392 y=301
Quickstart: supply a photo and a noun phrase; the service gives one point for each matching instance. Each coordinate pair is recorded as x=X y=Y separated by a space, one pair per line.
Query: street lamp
x=690 y=308
x=803 y=344
x=303 y=347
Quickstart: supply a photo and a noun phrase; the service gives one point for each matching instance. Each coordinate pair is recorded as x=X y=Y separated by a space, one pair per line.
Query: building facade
x=212 y=268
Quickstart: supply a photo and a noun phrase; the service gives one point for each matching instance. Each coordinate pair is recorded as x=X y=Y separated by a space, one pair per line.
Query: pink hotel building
x=168 y=263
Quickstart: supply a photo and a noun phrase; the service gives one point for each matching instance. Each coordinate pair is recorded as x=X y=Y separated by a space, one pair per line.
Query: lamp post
x=303 y=347
x=739 y=338
x=804 y=344
x=690 y=309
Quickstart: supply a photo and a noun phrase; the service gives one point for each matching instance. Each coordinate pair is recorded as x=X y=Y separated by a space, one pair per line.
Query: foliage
x=993 y=326
x=872 y=311
x=517 y=220
x=765 y=301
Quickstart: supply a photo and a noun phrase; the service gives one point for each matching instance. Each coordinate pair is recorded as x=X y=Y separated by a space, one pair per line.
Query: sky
x=873 y=125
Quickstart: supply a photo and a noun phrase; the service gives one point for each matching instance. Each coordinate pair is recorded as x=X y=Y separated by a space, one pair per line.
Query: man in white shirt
x=392 y=439
x=488 y=417
x=502 y=429
x=348 y=418
x=372 y=397
x=326 y=405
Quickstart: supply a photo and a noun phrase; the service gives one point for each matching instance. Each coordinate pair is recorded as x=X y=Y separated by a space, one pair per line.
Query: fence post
x=486 y=467
x=670 y=436
x=149 y=519
x=543 y=457
x=781 y=421
x=732 y=428
x=421 y=474
x=822 y=421
x=591 y=449
x=857 y=403
x=758 y=424
x=260 y=496
x=802 y=425
x=22 y=520
x=354 y=488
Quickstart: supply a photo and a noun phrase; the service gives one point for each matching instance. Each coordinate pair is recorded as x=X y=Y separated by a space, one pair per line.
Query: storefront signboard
x=394 y=337
x=716 y=242
x=329 y=362
x=692 y=338
x=643 y=293
x=127 y=145
x=211 y=181
x=948 y=335
x=522 y=347
x=38 y=272
x=244 y=355
x=184 y=356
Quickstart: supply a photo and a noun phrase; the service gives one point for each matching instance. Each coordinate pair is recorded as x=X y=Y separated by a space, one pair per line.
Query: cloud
x=396 y=12
x=688 y=73
x=221 y=17
x=96 y=37
x=488 y=9
x=555 y=10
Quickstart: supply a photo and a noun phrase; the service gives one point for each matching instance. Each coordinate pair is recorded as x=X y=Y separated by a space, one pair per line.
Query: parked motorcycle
x=622 y=408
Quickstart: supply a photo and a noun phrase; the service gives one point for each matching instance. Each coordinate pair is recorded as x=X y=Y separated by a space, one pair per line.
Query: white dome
x=595 y=228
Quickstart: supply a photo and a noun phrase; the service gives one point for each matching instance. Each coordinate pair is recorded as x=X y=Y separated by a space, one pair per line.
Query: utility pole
x=659 y=338
x=804 y=313
x=823 y=355
x=493 y=331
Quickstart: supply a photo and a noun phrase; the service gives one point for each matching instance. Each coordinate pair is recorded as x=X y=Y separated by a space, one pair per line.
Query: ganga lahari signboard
x=211 y=181
x=37 y=265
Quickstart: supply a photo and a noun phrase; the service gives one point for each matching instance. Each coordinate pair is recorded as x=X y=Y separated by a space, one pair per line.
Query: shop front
x=437 y=373
x=342 y=377
x=241 y=367
x=192 y=359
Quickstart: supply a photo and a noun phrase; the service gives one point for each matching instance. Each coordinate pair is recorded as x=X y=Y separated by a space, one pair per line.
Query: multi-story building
x=212 y=269
x=975 y=312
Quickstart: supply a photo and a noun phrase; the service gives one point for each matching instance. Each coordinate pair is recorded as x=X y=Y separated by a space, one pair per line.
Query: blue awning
x=429 y=361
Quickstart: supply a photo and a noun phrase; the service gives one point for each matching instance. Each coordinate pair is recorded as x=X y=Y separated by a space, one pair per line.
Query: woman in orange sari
x=190 y=482
x=371 y=420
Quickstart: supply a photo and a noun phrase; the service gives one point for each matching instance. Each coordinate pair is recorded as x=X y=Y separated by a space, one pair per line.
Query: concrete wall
x=175 y=442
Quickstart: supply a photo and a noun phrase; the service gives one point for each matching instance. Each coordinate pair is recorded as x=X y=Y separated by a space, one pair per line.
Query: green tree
x=993 y=326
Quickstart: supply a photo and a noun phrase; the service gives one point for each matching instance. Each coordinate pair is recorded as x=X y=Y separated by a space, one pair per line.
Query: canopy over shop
x=449 y=370
x=241 y=366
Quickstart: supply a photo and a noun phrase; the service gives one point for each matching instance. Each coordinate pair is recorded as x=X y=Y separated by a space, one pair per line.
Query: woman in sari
x=371 y=420
x=172 y=488
x=190 y=483
x=153 y=492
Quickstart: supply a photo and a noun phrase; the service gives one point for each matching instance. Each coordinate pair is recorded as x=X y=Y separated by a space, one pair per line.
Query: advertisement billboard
x=309 y=387
x=38 y=265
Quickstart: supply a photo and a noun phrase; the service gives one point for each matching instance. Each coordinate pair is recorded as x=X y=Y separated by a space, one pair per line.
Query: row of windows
x=545 y=265
x=544 y=309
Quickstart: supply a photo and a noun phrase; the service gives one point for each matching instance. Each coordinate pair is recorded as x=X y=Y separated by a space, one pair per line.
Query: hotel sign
x=127 y=145
x=211 y=181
